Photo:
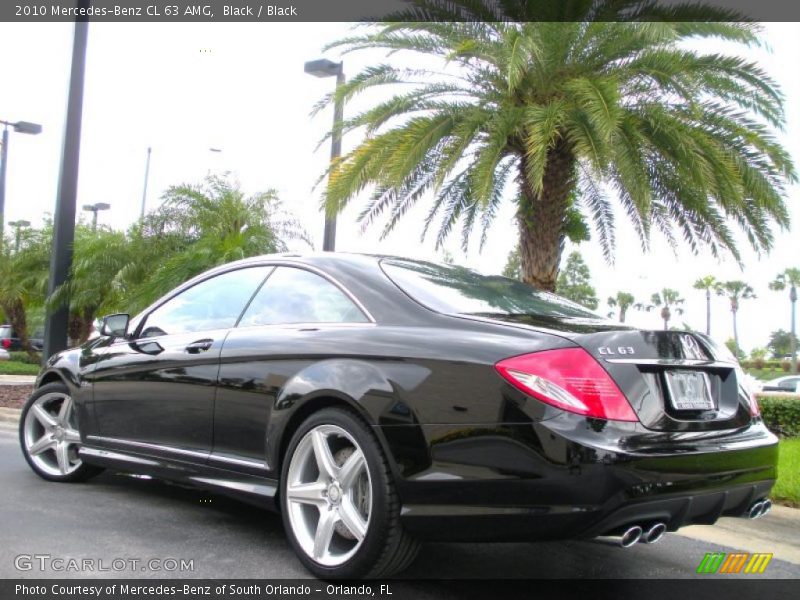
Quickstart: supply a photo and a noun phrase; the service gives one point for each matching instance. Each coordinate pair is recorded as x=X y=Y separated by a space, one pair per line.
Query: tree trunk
x=666 y=315
x=735 y=334
x=80 y=326
x=708 y=311
x=15 y=313
x=541 y=217
x=622 y=311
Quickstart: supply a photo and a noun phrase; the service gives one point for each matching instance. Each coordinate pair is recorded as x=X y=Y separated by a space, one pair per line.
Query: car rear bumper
x=571 y=478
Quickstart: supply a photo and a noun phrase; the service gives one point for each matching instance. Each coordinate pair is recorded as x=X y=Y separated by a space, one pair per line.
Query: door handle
x=199 y=346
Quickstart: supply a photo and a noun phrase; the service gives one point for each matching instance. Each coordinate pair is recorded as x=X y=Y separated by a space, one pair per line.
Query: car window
x=298 y=296
x=453 y=289
x=215 y=303
x=5 y=332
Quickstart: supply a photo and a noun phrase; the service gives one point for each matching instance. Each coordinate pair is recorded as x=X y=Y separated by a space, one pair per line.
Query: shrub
x=785 y=365
x=759 y=363
x=24 y=357
x=781 y=413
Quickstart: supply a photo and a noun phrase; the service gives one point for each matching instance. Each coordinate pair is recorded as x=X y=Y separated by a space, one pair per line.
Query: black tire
x=386 y=548
x=82 y=472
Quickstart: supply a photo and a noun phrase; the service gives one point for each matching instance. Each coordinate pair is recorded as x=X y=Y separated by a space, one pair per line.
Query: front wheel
x=338 y=500
x=49 y=435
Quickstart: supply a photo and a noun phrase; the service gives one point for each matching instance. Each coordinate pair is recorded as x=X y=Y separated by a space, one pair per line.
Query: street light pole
x=146 y=177
x=328 y=68
x=19 y=127
x=94 y=209
x=3 y=166
x=57 y=321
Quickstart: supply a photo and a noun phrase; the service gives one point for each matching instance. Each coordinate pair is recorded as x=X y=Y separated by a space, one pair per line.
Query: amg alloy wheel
x=338 y=500
x=329 y=495
x=49 y=435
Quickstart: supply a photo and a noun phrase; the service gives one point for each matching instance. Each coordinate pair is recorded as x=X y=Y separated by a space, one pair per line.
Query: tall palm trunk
x=541 y=217
x=622 y=312
x=708 y=311
x=735 y=333
x=666 y=314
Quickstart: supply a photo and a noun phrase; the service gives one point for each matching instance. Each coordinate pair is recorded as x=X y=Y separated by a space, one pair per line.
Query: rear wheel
x=338 y=500
x=49 y=435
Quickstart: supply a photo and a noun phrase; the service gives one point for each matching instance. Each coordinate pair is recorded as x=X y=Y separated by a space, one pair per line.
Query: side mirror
x=115 y=325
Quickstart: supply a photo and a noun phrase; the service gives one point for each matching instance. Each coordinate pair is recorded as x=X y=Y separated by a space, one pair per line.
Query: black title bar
x=168 y=11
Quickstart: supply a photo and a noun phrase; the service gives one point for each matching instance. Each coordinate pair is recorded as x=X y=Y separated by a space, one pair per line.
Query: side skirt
x=259 y=491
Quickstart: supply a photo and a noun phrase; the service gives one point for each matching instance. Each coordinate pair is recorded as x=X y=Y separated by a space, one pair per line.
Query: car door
x=291 y=322
x=155 y=392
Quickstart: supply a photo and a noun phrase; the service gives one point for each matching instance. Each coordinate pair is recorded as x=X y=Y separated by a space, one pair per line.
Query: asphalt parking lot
x=117 y=517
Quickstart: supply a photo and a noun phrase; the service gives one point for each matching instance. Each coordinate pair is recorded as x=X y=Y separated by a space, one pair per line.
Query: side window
x=298 y=296
x=215 y=303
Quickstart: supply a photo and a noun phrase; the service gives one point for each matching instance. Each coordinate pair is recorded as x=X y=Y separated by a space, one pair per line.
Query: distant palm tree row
x=196 y=227
x=670 y=300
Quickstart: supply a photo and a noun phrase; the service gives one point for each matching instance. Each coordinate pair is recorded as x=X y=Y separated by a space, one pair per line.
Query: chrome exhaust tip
x=756 y=510
x=630 y=537
x=654 y=533
x=766 y=506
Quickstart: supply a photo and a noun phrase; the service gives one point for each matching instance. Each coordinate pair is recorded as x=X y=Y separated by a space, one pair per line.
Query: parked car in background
x=10 y=342
x=789 y=383
x=4 y=355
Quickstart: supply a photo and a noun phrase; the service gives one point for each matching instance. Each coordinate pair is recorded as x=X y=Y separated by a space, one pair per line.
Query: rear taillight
x=754 y=410
x=569 y=379
x=6 y=343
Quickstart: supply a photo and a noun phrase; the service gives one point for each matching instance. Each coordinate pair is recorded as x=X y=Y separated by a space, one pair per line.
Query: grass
x=12 y=367
x=787 y=488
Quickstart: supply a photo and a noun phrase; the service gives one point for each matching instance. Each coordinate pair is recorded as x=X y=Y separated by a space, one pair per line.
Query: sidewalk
x=17 y=379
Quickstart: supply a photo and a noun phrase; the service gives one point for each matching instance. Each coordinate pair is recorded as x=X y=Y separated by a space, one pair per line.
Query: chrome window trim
x=142 y=317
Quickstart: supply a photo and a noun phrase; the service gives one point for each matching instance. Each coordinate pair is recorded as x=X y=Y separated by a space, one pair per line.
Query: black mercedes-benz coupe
x=377 y=402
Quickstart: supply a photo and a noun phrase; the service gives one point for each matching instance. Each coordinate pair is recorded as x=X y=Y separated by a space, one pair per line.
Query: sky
x=182 y=89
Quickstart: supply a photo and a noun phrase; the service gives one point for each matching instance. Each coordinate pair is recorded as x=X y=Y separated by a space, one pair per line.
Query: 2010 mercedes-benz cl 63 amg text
x=377 y=402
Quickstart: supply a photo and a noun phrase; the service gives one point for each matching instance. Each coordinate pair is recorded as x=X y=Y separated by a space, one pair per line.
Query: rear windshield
x=457 y=290
x=5 y=332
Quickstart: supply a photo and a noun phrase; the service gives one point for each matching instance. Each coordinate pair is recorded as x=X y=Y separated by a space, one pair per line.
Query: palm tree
x=707 y=283
x=623 y=301
x=736 y=291
x=790 y=278
x=668 y=300
x=550 y=115
x=205 y=226
x=92 y=288
x=21 y=287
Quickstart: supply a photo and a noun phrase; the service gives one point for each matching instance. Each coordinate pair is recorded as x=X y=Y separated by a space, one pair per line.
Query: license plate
x=689 y=390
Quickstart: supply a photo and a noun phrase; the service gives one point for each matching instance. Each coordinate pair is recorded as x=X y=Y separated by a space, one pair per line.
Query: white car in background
x=789 y=383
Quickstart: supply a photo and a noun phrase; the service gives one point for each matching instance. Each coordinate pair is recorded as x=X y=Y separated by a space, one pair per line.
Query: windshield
x=451 y=289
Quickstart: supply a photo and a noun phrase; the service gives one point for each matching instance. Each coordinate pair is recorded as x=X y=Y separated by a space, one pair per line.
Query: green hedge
x=777 y=366
x=781 y=414
x=24 y=357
